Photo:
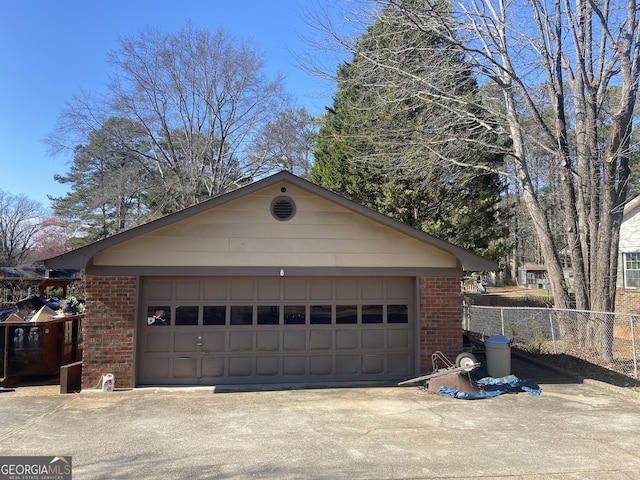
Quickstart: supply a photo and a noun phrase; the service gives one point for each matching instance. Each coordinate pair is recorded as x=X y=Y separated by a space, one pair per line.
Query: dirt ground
x=586 y=369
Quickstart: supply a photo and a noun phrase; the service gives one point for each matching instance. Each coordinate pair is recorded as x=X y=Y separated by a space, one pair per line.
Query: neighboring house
x=628 y=281
x=19 y=282
x=533 y=276
x=280 y=281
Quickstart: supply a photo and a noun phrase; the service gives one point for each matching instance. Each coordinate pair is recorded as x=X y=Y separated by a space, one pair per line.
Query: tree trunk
x=541 y=225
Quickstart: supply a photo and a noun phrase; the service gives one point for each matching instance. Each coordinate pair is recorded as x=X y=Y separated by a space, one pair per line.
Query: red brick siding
x=627 y=300
x=440 y=318
x=108 y=328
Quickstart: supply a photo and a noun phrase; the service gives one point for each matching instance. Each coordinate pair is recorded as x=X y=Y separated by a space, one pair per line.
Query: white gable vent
x=283 y=208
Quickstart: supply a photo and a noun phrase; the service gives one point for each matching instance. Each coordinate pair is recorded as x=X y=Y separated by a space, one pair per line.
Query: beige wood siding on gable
x=630 y=233
x=244 y=233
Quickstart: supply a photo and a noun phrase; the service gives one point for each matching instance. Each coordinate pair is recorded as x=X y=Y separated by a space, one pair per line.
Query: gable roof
x=631 y=207
x=80 y=257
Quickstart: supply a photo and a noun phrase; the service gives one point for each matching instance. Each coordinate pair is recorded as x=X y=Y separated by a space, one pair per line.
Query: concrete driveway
x=572 y=431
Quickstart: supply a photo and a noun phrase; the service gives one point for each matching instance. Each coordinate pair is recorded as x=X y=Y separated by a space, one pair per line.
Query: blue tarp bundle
x=492 y=387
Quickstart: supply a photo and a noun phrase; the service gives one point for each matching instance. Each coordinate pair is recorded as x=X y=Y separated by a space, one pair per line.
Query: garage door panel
x=271 y=330
x=240 y=341
x=295 y=290
x=372 y=289
x=320 y=364
x=268 y=341
x=185 y=367
x=320 y=339
x=185 y=342
x=157 y=367
x=373 y=364
x=159 y=289
x=268 y=366
x=347 y=289
x=320 y=289
x=346 y=339
x=269 y=290
x=396 y=289
x=398 y=338
x=399 y=364
x=158 y=341
x=240 y=366
x=242 y=289
x=294 y=365
x=294 y=340
x=347 y=364
x=213 y=341
x=188 y=290
x=215 y=289
x=372 y=339
x=213 y=367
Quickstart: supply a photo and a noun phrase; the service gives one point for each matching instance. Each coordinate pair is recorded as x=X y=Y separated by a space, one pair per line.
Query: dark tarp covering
x=492 y=387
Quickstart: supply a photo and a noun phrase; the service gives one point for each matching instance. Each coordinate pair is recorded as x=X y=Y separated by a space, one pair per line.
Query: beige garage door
x=208 y=331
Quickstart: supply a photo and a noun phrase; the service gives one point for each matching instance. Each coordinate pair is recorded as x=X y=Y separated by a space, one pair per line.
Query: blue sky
x=51 y=49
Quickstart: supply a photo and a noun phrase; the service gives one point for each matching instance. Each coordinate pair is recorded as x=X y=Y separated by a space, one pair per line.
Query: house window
x=632 y=270
x=187 y=315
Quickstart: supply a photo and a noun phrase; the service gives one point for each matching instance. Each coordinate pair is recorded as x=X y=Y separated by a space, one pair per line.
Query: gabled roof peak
x=80 y=257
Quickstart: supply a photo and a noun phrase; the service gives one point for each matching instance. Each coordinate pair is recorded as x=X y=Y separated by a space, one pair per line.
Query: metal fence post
x=553 y=333
x=633 y=348
x=466 y=312
x=502 y=319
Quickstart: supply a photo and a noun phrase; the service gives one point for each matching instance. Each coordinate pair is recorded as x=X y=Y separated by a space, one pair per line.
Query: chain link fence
x=609 y=340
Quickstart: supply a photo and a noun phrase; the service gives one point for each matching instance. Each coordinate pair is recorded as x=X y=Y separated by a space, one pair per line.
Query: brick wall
x=110 y=313
x=108 y=329
x=440 y=318
x=627 y=300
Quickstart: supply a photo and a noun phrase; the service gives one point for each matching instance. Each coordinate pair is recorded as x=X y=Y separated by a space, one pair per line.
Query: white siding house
x=628 y=281
x=629 y=247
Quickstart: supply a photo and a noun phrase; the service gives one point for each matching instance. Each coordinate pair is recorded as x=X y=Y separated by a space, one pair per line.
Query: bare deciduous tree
x=199 y=96
x=548 y=71
x=287 y=142
x=19 y=222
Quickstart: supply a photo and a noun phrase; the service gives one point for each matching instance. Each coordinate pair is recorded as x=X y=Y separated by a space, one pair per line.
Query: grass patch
x=511 y=297
x=521 y=293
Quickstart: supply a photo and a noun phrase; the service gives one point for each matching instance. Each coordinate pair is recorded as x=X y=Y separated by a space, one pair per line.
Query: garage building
x=280 y=281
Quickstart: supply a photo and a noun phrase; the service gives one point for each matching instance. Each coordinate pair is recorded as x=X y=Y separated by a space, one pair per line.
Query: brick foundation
x=108 y=329
x=440 y=319
x=628 y=300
